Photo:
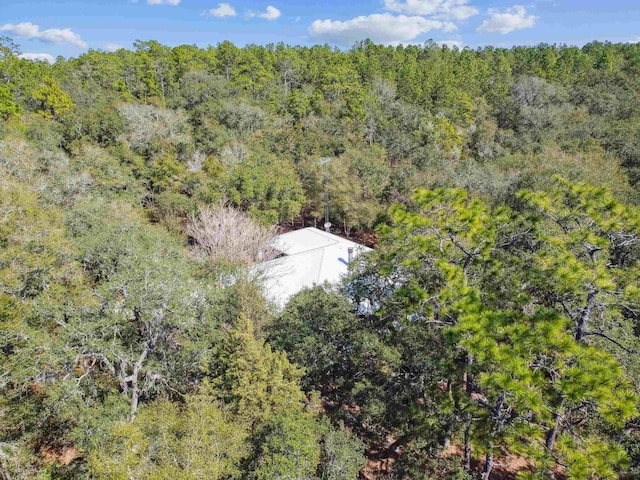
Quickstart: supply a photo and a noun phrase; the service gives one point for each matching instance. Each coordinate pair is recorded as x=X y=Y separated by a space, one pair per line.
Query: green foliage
x=320 y=331
x=198 y=440
x=356 y=183
x=590 y=254
x=54 y=101
x=145 y=331
x=43 y=290
x=524 y=371
x=8 y=107
x=268 y=188
x=298 y=104
x=490 y=316
x=165 y=171
x=257 y=382
x=342 y=455
x=288 y=447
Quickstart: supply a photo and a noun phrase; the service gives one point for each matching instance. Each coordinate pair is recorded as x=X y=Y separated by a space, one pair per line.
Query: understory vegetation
x=493 y=331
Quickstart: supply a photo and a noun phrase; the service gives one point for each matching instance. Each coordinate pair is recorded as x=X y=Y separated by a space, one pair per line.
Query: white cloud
x=112 y=47
x=53 y=35
x=451 y=43
x=380 y=28
x=223 y=10
x=448 y=9
x=271 y=14
x=173 y=3
x=40 y=57
x=509 y=20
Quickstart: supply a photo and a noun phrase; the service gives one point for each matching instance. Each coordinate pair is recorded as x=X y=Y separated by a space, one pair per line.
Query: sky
x=45 y=29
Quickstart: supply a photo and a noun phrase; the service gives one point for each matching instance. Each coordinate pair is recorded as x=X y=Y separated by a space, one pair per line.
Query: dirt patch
x=63 y=456
x=506 y=466
x=377 y=469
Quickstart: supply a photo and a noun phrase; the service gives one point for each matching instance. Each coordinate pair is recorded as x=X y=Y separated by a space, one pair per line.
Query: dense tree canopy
x=494 y=327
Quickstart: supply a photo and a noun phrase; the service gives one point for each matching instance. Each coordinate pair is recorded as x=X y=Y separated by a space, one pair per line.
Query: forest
x=500 y=189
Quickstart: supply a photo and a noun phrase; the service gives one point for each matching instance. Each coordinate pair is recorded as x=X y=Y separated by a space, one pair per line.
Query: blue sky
x=47 y=28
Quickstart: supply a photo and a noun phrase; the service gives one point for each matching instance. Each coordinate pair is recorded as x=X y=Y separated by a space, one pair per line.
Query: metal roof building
x=310 y=257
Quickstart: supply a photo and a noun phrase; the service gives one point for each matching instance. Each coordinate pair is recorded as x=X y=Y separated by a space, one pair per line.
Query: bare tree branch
x=223 y=233
x=615 y=342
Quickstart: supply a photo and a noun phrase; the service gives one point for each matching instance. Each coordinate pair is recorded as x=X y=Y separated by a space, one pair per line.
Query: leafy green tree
x=342 y=455
x=320 y=331
x=8 y=48
x=54 y=101
x=590 y=257
x=165 y=172
x=250 y=73
x=268 y=188
x=199 y=86
x=196 y=441
x=290 y=67
x=188 y=58
x=298 y=104
x=456 y=267
x=227 y=56
x=257 y=382
x=147 y=298
x=42 y=293
x=288 y=448
x=8 y=107
x=242 y=117
x=356 y=182
x=157 y=69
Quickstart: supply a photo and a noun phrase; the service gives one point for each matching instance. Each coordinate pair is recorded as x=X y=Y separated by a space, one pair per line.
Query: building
x=310 y=257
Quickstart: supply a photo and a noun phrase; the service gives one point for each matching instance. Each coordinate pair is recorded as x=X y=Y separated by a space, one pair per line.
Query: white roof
x=312 y=257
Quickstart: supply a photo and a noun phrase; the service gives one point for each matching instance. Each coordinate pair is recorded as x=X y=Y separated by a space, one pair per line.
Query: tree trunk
x=447 y=436
x=452 y=390
x=468 y=419
x=467 y=443
x=552 y=433
x=581 y=324
x=488 y=465
x=135 y=391
x=550 y=438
